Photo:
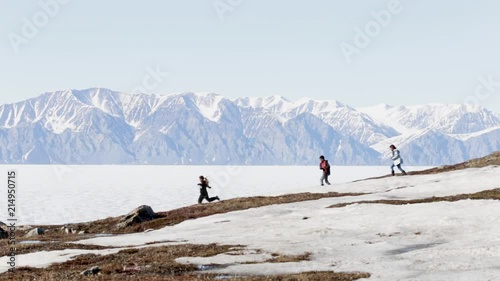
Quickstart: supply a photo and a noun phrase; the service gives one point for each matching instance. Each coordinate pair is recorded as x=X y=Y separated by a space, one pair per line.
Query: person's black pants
x=324 y=178
x=205 y=196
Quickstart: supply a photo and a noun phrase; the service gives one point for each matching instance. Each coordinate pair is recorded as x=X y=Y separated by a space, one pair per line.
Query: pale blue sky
x=432 y=51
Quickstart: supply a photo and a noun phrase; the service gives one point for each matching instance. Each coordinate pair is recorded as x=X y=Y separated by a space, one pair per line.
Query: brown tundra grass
x=493 y=194
x=158 y=263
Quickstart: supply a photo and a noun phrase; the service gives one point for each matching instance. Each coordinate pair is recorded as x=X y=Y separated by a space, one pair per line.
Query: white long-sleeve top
x=396 y=157
x=396 y=154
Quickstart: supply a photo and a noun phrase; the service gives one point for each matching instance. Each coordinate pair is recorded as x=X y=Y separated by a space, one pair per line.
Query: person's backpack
x=327 y=167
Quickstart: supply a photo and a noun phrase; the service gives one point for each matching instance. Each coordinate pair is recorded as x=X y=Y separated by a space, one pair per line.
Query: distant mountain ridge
x=101 y=126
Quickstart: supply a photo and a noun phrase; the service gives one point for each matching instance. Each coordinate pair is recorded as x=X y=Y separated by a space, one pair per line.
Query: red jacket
x=325 y=167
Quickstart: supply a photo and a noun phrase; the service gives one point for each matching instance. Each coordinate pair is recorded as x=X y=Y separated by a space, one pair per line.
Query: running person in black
x=203 y=191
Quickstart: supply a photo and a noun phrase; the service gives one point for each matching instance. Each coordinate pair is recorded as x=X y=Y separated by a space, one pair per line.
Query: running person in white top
x=397 y=160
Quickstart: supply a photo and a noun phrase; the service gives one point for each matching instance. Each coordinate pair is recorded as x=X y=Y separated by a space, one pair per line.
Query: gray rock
x=138 y=215
x=92 y=271
x=132 y=268
x=35 y=232
x=70 y=231
x=82 y=232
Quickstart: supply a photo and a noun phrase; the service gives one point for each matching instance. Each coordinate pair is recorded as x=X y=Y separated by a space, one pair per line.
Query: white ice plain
x=433 y=241
x=62 y=194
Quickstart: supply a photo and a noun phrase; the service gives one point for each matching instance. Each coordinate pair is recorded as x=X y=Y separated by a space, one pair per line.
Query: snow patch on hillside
x=431 y=241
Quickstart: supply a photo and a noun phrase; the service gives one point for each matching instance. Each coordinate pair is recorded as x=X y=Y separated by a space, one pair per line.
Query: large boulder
x=36 y=232
x=138 y=215
x=24 y=227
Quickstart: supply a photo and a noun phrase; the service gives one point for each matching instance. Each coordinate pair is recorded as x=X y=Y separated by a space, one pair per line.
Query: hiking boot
x=322 y=184
x=393 y=173
x=217 y=197
x=328 y=183
x=404 y=173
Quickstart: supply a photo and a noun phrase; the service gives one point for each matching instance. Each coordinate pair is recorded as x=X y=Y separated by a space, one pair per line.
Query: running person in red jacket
x=325 y=167
x=203 y=191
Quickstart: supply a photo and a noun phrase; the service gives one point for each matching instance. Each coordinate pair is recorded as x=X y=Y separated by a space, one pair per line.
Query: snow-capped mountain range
x=100 y=126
